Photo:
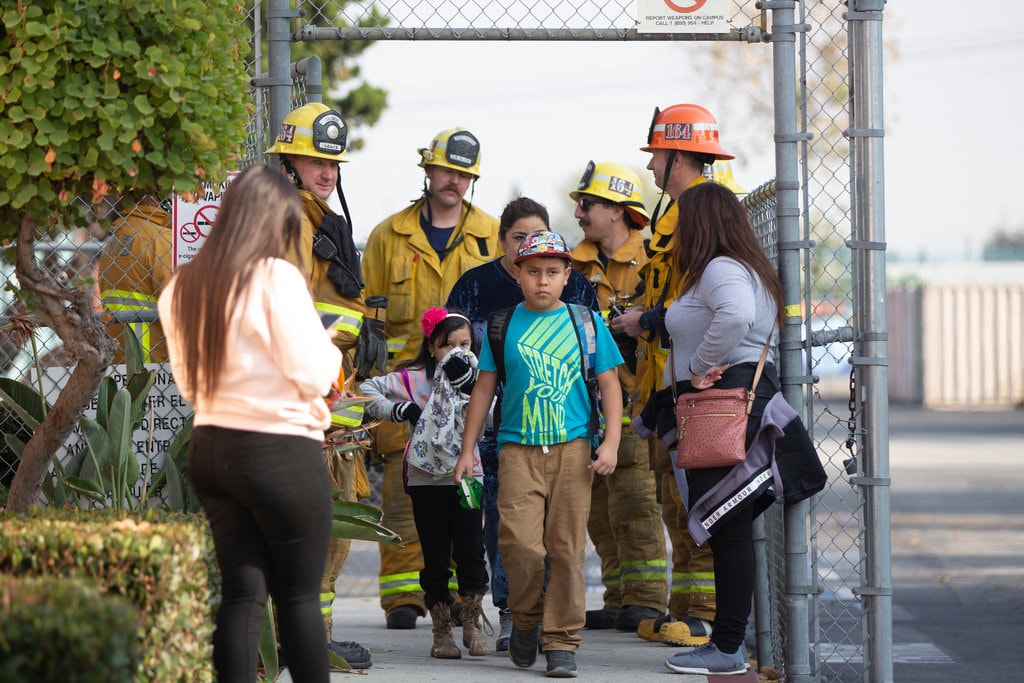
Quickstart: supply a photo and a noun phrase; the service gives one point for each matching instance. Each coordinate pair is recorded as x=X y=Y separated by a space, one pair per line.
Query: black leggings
x=268 y=499
x=732 y=547
x=448 y=532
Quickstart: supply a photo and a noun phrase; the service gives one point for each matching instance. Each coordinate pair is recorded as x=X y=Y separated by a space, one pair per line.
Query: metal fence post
x=279 y=49
x=871 y=360
x=787 y=184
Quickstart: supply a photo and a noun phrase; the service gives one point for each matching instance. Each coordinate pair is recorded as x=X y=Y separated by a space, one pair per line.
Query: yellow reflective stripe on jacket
x=127 y=300
x=395 y=345
x=124 y=300
x=349 y=416
x=394 y=584
x=351 y=320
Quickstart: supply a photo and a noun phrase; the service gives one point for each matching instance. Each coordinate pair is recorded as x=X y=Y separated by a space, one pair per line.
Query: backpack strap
x=497 y=330
x=587 y=339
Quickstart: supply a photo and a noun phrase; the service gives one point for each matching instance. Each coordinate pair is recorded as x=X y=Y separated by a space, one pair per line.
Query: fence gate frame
x=783 y=23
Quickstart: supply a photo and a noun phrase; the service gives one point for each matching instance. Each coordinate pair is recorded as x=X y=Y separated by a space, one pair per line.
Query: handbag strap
x=757 y=373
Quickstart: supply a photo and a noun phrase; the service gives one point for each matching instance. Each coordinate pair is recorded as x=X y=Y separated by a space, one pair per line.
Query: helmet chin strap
x=664 y=188
x=344 y=204
x=292 y=174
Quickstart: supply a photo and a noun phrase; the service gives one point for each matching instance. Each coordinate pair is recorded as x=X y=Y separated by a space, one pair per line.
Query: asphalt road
x=957 y=545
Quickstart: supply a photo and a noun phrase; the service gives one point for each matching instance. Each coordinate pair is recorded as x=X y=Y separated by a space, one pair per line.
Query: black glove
x=371 y=349
x=406 y=411
x=459 y=373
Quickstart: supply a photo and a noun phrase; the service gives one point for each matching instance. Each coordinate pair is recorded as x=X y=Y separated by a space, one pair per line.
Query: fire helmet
x=312 y=130
x=722 y=174
x=616 y=183
x=685 y=127
x=457 y=149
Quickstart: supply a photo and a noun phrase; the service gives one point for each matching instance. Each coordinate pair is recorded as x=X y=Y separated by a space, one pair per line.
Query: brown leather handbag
x=712 y=423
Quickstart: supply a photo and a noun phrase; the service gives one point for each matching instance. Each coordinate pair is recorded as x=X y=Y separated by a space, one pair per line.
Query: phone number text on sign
x=696 y=16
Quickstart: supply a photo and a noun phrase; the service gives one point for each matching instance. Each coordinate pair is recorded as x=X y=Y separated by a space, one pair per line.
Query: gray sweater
x=725 y=318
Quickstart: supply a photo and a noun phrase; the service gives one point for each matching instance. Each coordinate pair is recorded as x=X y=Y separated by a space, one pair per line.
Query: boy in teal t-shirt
x=544 y=457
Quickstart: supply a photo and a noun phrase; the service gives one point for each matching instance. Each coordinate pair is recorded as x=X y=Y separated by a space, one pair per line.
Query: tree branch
x=69 y=313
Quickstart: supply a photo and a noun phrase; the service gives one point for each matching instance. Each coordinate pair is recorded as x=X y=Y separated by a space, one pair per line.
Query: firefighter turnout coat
x=136 y=260
x=400 y=263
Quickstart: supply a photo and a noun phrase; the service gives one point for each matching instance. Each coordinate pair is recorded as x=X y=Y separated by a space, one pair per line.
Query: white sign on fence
x=166 y=413
x=683 y=16
x=192 y=220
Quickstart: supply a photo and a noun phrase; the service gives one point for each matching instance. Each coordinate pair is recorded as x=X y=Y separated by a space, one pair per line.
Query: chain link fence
x=485 y=20
x=831 y=288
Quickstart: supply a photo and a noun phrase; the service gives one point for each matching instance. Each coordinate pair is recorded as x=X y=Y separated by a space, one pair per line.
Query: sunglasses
x=587 y=202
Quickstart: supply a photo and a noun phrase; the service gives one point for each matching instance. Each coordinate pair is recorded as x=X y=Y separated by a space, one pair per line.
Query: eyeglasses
x=587 y=202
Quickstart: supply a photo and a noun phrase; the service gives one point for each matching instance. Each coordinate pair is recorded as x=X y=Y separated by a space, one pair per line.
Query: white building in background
x=956 y=333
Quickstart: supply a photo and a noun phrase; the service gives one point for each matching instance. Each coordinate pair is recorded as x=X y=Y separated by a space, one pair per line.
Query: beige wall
x=957 y=346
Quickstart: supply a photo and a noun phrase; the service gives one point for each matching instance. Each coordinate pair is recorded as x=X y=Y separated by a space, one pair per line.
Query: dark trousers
x=732 y=546
x=268 y=499
x=448 y=532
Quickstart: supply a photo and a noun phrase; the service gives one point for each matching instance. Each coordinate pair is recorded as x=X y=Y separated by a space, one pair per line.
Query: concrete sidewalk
x=921 y=441
x=404 y=656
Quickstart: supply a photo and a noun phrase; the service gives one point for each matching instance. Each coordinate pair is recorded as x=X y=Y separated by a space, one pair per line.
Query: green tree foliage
x=103 y=97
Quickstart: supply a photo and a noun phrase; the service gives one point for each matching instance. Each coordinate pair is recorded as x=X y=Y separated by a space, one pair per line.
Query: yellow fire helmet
x=312 y=130
x=722 y=174
x=617 y=184
x=457 y=149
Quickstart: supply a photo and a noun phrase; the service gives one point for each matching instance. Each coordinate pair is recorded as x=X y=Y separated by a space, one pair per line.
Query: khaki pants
x=342 y=469
x=693 y=567
x=544 y=502
x=399 y=567
x=626 y=528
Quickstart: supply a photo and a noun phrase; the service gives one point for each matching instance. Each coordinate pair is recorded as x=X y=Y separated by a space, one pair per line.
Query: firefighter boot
x=650 y=629
x=444 y=646
x=689 y=632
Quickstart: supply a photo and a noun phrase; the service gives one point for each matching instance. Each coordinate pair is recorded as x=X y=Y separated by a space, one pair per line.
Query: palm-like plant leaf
x=125 y=466
x=268 y=644
x=26 y=402
x=88 y=487
x=98 y=444
x=138 y=388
